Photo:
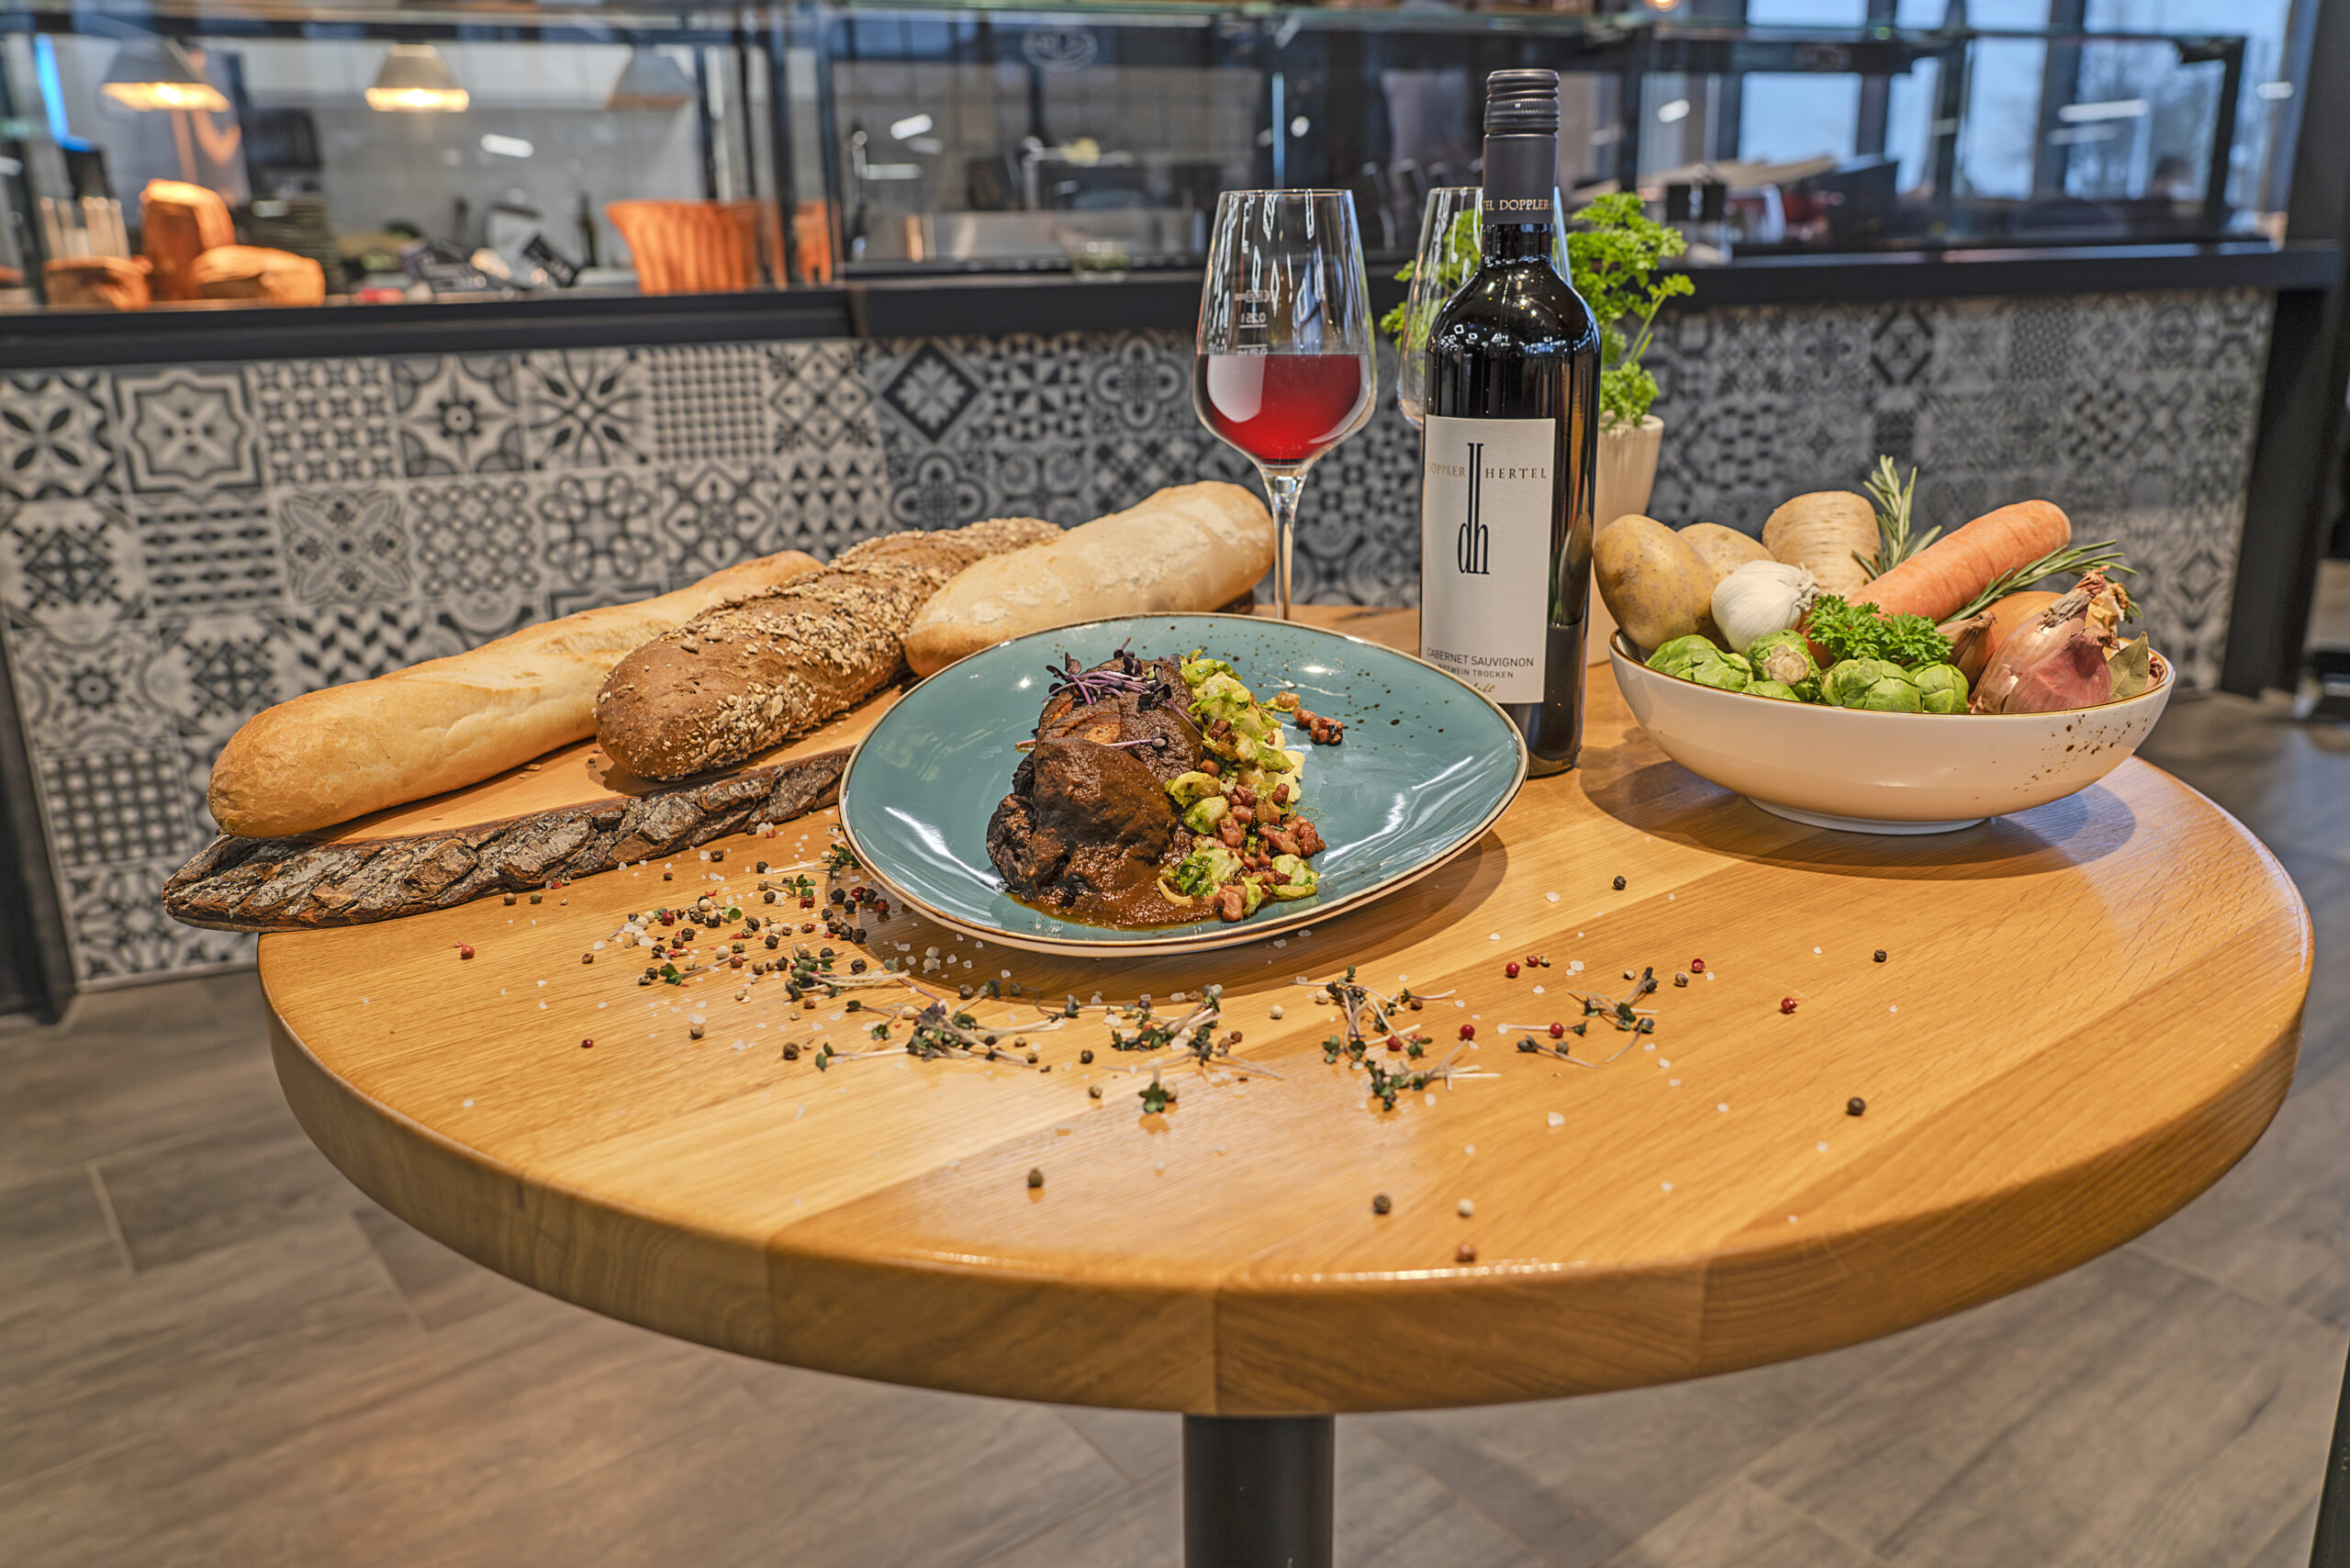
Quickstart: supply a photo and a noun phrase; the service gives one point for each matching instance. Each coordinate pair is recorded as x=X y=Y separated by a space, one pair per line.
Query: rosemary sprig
x=2074 y=560
x=1893 y=500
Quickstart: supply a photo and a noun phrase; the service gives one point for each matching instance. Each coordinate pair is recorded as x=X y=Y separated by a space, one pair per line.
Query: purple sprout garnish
x=1093 y=686
x=1156 y=743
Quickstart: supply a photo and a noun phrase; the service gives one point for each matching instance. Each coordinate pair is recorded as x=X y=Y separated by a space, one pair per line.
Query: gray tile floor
x=214 y=1350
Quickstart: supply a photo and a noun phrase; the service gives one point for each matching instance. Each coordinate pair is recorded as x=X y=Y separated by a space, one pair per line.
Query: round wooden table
x=2082 y=1016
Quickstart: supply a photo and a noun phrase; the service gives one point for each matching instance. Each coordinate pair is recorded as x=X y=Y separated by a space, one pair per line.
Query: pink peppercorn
x=1786 y=1005
x=1510 y=970
x=584 y=1045
x=1468 y=1031
x=1466 y=1252
x=464 y=951
x=1394 y=1042
x=1557 y=1031
x=1696 y=966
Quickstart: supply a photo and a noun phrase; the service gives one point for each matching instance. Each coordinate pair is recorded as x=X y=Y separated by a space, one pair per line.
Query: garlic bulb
x=1760 y=597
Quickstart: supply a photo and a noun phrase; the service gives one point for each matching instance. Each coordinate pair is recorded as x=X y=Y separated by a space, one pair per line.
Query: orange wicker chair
x=110 y=283
x=692 y=247
x=258 y=272
x=811 y=233
x=179 y=222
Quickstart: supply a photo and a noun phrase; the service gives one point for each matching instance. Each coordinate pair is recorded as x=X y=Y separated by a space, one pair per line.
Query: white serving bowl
x=1863 y=772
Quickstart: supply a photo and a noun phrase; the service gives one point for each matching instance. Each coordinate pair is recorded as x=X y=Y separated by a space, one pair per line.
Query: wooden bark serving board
x=568 y=814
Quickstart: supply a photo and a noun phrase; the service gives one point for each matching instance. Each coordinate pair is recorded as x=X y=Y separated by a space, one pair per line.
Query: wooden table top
x=2086 y=1015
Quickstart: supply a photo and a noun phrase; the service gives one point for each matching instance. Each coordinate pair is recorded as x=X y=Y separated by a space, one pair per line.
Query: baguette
x=735 y=680
x=1188 y=547
x=339 y=753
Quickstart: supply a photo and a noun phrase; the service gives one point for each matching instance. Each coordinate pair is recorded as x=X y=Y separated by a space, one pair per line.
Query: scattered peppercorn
x=1681 y=980
x=1510 y=970
x=584 y=1045
x=1786 y=1005
x=1855 y=1106
x=1085 y=1058
x=760 y=866
x=1095 y=1092
x=1466 y=1252
x=1380 y=1204
x=1880 y=955
x=1035 y=1178
x=464 y=951
x=1468 y=1031
x=538 y=898
x=510 y=900
x=791 y=1053
x=1619 y=884
x=1557 y=1031
x=1696 y=966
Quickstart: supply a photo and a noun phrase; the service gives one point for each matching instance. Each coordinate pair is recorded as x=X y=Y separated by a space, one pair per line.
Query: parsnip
x=1822 y=532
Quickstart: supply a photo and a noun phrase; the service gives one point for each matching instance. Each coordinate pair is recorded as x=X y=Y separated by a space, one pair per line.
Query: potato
x=1820 y=531
x=1724 y=550
x=1651 y=581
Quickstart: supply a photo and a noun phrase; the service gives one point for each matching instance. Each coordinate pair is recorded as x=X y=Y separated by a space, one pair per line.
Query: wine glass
x=1285 y=369
x=1450 y=237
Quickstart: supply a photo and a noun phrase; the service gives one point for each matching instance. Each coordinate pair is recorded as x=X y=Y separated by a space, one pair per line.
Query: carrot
x=1939 y=578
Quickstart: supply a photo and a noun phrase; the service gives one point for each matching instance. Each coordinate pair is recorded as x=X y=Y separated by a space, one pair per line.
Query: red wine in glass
x=1281 y=408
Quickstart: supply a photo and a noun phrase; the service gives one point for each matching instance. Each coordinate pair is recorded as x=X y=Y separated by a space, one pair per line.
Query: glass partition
x=287 y=151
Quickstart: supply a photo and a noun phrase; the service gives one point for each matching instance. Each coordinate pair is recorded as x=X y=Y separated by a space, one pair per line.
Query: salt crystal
x=1494 y=937
x=1724 y=1106
x=1673 y=1083
x=1553 y=897
x=1277 y=1010
x=1537 y=991
x=1823 y=1149
x=1430 y=1098
x=1467 y=1209
x=1281 y=941
x=469 y=1105
x=1557 y=1120
x=1815 y=950
x=1473 y=1148
x=1666 y=1185
x=1893 y=1010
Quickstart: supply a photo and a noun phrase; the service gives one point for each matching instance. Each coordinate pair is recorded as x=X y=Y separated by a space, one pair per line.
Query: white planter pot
x=1626 y=474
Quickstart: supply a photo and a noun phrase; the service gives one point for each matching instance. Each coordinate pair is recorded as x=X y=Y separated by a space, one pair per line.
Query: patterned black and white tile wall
x=181 y=546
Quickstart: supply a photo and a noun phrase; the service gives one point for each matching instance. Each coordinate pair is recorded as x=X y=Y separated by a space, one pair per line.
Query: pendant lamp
x=156 y=73
x=416 y=79
x=650 y=80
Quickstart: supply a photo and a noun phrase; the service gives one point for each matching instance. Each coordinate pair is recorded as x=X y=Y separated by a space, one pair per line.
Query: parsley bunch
x=1613 y=252
x=1862 y=632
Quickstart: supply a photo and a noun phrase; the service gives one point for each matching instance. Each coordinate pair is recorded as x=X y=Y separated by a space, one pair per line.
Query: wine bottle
x=1510 y=449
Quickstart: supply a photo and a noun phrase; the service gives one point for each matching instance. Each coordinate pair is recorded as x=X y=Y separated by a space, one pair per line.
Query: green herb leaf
x=1863 y=631
x=1893 y=500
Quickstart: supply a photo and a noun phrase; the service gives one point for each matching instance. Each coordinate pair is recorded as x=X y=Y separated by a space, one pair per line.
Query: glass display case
x=287 y=151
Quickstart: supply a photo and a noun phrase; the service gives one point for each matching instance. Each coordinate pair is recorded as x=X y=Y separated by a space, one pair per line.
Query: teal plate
x=1426 y=766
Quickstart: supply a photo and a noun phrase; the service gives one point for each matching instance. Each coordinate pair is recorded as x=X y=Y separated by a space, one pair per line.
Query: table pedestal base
x=1256 y=1490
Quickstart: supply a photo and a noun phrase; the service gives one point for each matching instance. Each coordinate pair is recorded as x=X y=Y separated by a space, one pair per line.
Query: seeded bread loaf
x=738 y=679
x=339 y=753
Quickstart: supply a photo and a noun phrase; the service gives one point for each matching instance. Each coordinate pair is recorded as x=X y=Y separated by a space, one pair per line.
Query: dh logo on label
x=1471 y=548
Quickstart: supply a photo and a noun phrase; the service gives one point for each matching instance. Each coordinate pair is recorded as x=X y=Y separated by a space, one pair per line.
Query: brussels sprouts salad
x=1241 y=804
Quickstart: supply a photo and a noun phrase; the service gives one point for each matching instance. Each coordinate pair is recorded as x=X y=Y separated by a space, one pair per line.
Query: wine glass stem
x=1283 y=486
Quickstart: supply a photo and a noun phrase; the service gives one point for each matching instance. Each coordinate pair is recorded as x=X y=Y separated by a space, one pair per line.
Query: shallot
x=2057 y=660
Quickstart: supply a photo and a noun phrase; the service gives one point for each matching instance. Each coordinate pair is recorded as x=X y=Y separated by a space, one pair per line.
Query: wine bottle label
x=1485 y=511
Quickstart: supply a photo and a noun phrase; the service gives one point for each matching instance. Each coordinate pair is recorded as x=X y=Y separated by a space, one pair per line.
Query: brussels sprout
x=1807 y=689
x=1773 y=688
x=1252 y=895
x=1206 y=868
x=1782 y=657
x=1204 y=814
x=1875 y=685
x=1941 y=688
x=1196 y=670
x=1673 y=659
x=1296 y=878
x=1188 y=787
x=1726 y=672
